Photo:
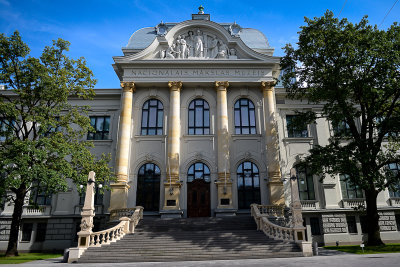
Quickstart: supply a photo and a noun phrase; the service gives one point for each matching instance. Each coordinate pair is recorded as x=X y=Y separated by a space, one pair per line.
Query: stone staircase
x=192 y=239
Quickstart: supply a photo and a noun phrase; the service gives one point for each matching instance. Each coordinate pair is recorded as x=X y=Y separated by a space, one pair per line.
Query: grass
x=356 y=249
x=26 y=257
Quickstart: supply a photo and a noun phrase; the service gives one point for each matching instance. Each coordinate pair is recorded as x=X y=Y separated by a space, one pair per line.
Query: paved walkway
x=326 y=258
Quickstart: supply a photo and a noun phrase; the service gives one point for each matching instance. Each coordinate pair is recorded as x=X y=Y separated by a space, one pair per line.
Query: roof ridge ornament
x=235 y=29
x=201 y=9
x=161 y=29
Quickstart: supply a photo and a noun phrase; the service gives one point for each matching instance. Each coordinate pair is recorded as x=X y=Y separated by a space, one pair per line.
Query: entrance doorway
x=198 y=194
x=148 y=187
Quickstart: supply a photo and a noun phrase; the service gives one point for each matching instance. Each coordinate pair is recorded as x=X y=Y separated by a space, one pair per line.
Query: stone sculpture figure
x=213 y=47
x=170 y=53
x=199 y=45
x=182 y=47
x=190 y=43
x=222 y=50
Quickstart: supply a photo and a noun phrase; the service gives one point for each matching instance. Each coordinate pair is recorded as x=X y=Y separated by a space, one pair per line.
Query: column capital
x=267 y=85
x=223 y=84
x=128 y=86
x=175 y=86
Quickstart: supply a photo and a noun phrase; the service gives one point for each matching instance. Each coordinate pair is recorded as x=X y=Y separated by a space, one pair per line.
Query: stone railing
x=353 y=203
x=395 y=201
x=272 y=230
x=127 y=212
x=40 y=210
x=309 y=204
x=97 y=239
x=271 y=210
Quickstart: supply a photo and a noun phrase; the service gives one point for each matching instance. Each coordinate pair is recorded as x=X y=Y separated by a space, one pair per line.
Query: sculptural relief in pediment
x=196 y=44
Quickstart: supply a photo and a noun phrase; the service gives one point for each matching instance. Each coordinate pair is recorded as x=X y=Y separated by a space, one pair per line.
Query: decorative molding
x=267 y=85
x=128 y=86
x=247 y=155
x=222 y=85
x=161 y=29
x=175 y=86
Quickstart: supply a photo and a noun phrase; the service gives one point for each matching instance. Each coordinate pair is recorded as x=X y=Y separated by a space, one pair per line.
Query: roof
x=144 y=37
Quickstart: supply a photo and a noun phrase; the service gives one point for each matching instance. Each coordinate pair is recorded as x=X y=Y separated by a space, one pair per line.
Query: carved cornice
x=175 y=86
x=128 y=86
x=221 y=85
x=267 y=85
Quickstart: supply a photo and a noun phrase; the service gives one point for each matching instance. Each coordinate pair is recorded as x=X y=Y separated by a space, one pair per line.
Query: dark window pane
x=152 y=117
x=199 y=131
x=27 y=231
x=315 y=226
x=199 y=117
x=244 y=116
x=351 y=224
x=191 y=118
x=206 y=118
x=160 y=119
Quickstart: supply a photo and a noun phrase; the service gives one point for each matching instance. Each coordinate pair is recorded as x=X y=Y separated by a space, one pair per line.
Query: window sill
x=244 y=136
x=101 y=141
x=298 y=139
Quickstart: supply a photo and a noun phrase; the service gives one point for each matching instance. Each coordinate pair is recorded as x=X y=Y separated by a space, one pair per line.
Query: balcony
x=309 y=204
x=353 y=203
x=36 y=211
x=394 y=201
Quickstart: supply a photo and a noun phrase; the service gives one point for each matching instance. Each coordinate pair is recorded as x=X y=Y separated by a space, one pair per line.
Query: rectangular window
x=394 y=190
x=40 y=197
x=349 y=191
x=101 y=125
x=295 y=128
x=341 y=129
x=305 y=183
x=98 y=198
x=27 y=232
x=315 y=226
x=41 y=232
x=397 y=216
x=351 y=224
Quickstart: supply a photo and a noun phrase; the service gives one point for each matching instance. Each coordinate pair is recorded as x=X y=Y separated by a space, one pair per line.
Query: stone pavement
x=326 y=259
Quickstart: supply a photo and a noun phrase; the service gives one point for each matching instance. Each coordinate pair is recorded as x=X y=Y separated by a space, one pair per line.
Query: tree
x=353 y=72
x=41 y=132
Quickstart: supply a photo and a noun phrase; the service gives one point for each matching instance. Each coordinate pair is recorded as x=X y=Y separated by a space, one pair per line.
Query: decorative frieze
x=387 y=221
x=334 y=223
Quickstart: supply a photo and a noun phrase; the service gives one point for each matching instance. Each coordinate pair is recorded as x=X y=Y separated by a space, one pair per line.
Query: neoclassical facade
x=199 y=128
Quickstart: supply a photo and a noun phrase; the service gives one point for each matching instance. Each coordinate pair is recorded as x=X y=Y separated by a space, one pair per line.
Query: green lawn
x=388 y=248
x=26 y=257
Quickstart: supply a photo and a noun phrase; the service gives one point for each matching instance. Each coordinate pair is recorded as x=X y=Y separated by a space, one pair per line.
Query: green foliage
x=42 y=140
x=353 y=72
x=27 y=257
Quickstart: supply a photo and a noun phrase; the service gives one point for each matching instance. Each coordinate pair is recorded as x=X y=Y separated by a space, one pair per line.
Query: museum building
x=200 y=128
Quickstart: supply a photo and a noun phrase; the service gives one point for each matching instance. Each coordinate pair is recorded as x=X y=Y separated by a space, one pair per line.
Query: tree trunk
x=12 y=249
x=374 y=236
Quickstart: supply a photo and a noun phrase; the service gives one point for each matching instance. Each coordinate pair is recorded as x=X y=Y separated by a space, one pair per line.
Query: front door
x=199 y=198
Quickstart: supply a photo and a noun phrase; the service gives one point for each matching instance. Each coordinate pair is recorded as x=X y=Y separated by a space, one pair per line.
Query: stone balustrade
x=116 y=214
x=39 y=210
x=353 y=203
x=309 y=204
x=261 y=214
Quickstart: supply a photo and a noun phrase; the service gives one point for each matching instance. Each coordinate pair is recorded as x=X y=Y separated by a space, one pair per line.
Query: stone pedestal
x=119 y=195
x=171 y=207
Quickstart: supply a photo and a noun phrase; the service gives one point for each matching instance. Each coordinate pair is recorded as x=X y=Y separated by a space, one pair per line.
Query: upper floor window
x=198 y=170
x=305 y=183
x=101 y=125
x=395 y=189
x=295 y=128
x=245 y=117
x=152 y=117
x=40 y=197
x=199 y=117
x=5 y=128
x=98 y=197
x=349 y=190
x=341 y=128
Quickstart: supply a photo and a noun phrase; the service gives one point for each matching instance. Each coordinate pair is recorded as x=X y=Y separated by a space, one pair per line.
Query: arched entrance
x=148 y=187
x=248 y=183
x=198 y=194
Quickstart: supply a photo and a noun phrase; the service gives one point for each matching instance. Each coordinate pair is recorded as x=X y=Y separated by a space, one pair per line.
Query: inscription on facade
x=166 y=73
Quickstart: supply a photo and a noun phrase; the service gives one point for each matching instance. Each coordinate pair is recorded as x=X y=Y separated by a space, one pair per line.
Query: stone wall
x=5 y=226
x=334 y=223
x=60 y=229
x=387 y=221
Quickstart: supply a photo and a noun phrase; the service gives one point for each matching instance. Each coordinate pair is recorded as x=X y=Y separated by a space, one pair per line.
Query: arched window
x=148 y=187
x=198 y=170
x=199 y=117
x=248 y=183
x=245 y=117
x=305 y=183
x=152 y=117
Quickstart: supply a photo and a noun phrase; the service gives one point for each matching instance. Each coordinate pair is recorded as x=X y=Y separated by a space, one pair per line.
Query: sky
x=99 y=29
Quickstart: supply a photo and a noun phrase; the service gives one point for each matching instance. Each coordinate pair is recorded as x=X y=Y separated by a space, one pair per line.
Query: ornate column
x=119 y=193
x=224 y=182
x=172 y=184
x=275 y=183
